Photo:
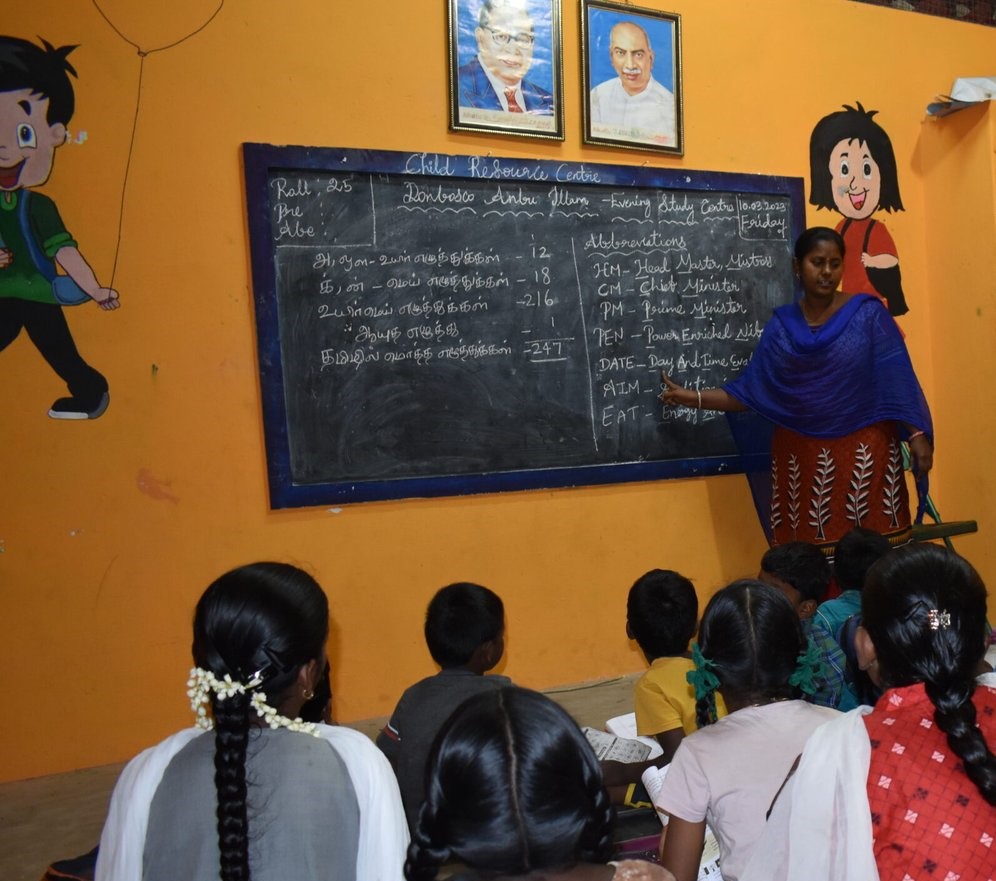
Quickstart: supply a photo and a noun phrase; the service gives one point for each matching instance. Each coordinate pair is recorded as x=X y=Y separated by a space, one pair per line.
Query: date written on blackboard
x=438 y=325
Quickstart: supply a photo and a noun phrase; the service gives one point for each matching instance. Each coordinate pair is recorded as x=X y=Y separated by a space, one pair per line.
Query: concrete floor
x=57 y=817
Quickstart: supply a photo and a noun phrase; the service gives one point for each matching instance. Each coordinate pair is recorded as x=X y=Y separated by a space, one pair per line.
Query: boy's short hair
x=662 y=611
x=801 y=565
x=856 y=551
x=42 y=69
x=460 y=618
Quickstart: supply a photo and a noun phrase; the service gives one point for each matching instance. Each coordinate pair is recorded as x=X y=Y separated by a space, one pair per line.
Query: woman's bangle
x=915 y=435
x=698 y=391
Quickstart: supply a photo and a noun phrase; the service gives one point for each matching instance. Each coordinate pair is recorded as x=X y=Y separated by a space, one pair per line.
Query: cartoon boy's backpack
x=64 y=289
x=888 y=283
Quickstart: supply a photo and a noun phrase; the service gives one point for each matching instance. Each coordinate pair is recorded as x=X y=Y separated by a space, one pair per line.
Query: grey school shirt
x=416 y=720
x=304 y=821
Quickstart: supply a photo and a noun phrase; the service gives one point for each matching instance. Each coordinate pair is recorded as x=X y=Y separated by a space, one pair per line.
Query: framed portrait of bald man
x=631 y=75
x=506 y=68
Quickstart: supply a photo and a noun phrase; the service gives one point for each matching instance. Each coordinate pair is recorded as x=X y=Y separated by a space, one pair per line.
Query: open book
x=625 y=726
x=611 y=748
x=653 y=780
x=623 y=744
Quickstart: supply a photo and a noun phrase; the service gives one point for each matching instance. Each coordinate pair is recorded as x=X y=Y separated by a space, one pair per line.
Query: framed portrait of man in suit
x=506 y=69
x=631 y=75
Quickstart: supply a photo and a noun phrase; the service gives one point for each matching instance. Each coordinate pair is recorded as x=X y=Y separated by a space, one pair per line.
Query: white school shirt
x=728 y=773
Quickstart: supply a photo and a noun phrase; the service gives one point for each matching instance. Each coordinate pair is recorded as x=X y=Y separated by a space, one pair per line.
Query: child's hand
x=106 y=298
x=879 y=261
x=6 y=257
x=617 y=773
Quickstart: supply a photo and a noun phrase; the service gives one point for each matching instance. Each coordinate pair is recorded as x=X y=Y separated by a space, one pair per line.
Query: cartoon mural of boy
x=36 y=103
x=852 y=168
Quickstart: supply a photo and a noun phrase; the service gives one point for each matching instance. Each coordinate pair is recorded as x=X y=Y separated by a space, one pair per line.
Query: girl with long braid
x=751 y=649
x=514 y=790
x=906 y=789
x=264 y=796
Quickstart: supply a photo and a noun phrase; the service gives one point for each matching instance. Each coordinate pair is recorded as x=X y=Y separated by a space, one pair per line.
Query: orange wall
x=958 y=162
x=110 y=530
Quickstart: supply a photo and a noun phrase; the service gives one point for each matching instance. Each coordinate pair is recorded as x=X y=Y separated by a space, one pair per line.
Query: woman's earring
x=307 y=694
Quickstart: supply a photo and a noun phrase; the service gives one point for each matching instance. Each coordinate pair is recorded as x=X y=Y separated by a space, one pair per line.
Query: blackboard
x=432 y=324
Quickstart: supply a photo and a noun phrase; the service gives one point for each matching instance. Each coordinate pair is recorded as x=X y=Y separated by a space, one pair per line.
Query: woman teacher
x=832 y=373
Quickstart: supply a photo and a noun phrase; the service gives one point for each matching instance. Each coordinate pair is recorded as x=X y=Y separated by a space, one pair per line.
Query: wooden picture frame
x=506 y=67
x=631 y=75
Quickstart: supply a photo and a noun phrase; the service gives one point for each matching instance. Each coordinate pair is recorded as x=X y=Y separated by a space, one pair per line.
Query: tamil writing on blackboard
x=432 y=324
x=543 y=312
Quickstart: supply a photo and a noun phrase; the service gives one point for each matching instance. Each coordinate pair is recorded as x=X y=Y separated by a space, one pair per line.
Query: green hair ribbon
x=702 y=678
x=809 y=666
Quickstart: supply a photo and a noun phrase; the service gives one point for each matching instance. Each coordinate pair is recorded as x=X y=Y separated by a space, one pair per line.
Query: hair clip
x=939 y=619
x=702 y=678
x=808 y=666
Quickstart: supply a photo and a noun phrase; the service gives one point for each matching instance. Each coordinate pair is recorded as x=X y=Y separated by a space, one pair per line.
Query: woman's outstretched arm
x=698 y=399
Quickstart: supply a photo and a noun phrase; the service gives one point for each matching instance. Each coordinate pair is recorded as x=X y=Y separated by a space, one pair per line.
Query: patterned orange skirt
x=822 y=488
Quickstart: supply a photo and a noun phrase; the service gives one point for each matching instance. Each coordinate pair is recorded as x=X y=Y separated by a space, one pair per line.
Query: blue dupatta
x=827 y=381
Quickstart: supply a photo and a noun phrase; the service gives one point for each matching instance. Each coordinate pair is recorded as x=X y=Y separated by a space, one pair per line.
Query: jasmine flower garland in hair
x=202 y=682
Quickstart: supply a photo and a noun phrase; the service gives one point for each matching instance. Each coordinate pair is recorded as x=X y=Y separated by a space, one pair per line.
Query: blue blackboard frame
x=259 y=160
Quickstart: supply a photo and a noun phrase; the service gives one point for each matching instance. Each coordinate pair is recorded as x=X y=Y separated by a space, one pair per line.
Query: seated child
x=906 y=789
x=752 y=649
x=840 y=617
x=252 y=790
x=661 y=615
x=800 y=571
x=515 y=791
x=465 y=633
x=856 y=551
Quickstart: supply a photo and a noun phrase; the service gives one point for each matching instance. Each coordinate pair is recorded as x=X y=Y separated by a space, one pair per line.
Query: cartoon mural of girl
x=852 y=169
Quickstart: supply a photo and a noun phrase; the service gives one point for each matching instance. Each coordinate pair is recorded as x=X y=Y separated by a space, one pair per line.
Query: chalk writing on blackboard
x=432 y=325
